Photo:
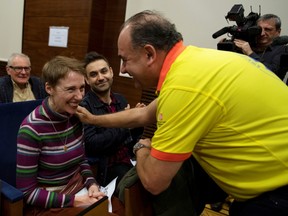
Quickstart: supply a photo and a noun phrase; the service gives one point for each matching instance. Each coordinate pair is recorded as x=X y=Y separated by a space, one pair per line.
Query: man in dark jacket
x=268 y=48
x=19 y=85
x=109 y=148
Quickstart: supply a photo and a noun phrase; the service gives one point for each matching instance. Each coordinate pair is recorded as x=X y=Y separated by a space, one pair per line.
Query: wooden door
x=93 y=26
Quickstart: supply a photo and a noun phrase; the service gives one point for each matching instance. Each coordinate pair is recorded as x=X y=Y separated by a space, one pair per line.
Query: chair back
x=11 y=117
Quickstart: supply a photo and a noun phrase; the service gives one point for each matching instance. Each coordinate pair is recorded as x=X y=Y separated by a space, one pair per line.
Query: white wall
x=198 y=20
x=11 y=23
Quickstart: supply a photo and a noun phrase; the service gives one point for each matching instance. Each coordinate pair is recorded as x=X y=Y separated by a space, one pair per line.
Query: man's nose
x=262 y=32
x=100 y=76
x=123 y=69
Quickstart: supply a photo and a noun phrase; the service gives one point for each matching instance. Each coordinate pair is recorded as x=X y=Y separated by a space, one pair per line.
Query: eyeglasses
x=20 y=69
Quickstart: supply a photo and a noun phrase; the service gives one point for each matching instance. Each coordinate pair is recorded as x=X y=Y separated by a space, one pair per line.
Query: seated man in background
x=265 y=50
x=19 y=85
x=110 y=148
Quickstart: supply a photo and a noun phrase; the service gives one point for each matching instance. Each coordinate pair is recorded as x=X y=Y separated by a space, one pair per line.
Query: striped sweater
x=49 y=152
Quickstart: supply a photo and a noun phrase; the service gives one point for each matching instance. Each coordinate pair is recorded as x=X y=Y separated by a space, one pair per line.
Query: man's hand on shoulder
x=84 y=115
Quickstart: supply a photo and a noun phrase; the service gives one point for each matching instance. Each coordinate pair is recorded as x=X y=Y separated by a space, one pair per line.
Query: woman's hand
x=88 y=199
x=94 y=191
x=84 y=200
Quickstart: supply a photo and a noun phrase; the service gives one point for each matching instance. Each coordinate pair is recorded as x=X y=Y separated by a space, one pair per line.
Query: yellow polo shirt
x=231 y=113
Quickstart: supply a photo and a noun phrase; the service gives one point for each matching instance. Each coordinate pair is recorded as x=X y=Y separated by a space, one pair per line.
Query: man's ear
x=8 y=70
x=279 y=31
x=150 y=52
x=111 y=70
x=86 y=80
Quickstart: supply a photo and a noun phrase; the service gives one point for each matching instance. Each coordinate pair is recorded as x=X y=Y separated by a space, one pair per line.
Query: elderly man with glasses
x=19 y=85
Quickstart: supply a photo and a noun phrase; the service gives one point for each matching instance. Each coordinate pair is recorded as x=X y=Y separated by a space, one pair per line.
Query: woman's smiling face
x=67 y=94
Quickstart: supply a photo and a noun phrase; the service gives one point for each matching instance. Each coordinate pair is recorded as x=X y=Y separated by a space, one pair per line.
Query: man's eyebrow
x=101 y=69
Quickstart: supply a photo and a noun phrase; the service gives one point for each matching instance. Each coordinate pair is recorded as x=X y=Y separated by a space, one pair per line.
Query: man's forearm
x=154 y=177
x=130 y=118
x=126 y=119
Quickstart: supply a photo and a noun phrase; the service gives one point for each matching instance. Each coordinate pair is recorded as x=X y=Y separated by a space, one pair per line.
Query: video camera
x=246 y=28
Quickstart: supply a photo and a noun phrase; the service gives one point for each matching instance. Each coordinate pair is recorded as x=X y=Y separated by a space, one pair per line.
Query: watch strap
x=138 y=146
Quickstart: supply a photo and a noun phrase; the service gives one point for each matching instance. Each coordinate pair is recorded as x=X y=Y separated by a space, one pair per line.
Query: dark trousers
x=188 y=192
x=271 y=203
x=203 y=188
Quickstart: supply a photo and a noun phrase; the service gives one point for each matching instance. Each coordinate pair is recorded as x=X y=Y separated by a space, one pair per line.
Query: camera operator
x=265 y=50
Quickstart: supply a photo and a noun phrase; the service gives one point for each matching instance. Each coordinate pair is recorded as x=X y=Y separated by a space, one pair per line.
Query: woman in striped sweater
x=51 y=166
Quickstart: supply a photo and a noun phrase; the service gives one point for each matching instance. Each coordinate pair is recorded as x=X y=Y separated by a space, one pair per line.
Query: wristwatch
x=138 y=146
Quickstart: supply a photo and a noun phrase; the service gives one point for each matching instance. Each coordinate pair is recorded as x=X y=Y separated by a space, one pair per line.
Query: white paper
x=108 y=190
x=58 y=36
x=133 y=162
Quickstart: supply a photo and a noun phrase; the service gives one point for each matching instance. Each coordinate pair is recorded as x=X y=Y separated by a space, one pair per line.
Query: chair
x=137 y=201
x=11 y=116
x=3 y=68
x=11 y=200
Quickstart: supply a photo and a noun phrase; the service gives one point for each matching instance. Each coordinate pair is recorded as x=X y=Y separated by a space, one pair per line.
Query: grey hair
x=15 y=55
x=271 y=16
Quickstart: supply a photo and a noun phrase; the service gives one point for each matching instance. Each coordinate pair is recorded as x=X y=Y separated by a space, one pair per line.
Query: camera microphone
x=221 y=32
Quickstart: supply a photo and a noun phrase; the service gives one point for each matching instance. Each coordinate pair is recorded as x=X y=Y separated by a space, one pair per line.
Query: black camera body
x=246 y=28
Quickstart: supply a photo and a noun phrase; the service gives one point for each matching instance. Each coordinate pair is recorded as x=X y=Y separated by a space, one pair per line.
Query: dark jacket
x=6 y=88
x=102 y=143
x=270 y=57
x=100 y=140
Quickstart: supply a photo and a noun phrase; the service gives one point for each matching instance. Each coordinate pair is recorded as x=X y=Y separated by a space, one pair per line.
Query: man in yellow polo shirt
x=225 y=109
